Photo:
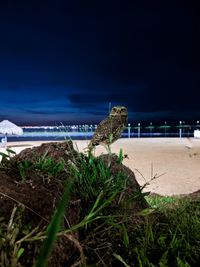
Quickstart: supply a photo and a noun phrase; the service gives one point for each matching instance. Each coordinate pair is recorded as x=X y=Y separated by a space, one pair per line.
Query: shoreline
x=170 y=165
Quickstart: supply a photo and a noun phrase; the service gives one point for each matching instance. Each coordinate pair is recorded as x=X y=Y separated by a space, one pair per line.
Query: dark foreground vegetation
x=59 y=207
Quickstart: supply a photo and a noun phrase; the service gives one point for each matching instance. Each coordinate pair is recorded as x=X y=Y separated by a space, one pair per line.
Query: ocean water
x=83 y=133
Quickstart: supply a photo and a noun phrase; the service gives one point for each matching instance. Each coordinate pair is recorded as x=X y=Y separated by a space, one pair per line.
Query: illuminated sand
x=176 y=162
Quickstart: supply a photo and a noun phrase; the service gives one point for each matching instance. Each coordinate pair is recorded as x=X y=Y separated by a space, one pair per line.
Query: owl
x=111 y=128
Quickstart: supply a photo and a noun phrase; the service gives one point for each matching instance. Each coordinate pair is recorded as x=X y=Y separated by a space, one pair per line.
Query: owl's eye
x=114 y=109
x=123 y=109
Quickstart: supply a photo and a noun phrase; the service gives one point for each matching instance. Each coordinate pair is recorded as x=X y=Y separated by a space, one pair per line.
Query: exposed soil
x=39 y=190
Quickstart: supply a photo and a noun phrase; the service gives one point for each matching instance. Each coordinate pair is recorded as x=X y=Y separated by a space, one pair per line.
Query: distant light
x=197 y=122
x=180 y=122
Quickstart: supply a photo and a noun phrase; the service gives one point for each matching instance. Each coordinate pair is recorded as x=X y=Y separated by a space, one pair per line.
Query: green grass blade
x=120 y=156
x=20 y=252
x=11 y=151
x=54 y=227
x=4 y=155
x=119 y=258
x=125 y=236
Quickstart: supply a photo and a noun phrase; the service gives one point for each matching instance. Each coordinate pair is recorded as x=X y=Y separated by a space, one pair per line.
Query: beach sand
x=171 y=166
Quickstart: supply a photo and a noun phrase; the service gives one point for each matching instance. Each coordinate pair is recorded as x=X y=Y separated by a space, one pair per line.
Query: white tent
x=197 y=133
x=9 y=128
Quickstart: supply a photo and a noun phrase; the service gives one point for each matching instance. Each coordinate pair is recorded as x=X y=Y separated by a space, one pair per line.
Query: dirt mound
x=195 y=194
x=35 y=179
x=56 y=150
x=132 y=187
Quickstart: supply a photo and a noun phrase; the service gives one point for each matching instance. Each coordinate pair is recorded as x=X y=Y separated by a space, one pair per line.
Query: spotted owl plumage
x=111 y=128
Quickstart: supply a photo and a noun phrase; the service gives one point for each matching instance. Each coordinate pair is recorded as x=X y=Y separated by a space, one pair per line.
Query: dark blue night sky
x=64 y=61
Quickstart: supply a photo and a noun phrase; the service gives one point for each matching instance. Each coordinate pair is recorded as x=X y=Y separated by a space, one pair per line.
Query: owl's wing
x=104 y=130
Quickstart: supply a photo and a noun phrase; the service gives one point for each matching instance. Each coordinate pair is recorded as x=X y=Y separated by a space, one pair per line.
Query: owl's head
x=119 y=111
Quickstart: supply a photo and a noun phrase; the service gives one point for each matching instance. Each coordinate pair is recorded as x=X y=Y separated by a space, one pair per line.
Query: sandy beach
x=171 y=166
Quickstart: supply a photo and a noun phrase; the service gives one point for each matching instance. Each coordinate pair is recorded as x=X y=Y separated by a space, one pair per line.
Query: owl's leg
x=90 y=149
